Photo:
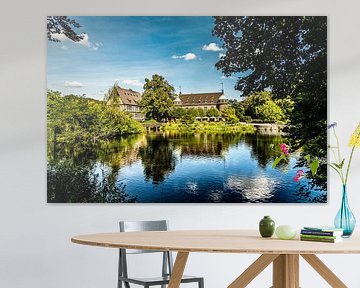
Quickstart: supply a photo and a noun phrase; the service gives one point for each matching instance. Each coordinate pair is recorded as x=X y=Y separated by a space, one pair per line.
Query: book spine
x=318 y=236
x=318 y=239
x=320 y=233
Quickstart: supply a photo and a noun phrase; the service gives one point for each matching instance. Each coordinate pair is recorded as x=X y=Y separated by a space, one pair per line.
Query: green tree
x=289 y=56
x=178 y=112
x=75 y=119
x=255 y=100
x=272 y=50
x=213 y=112
x=230 y=115
x=269 y=112
x=287 y=105
x=189 y=116
x=239 y=109
x=260 y=106
x=193 y=112
x=63 y=25
x=158 y=98
x=200 y=112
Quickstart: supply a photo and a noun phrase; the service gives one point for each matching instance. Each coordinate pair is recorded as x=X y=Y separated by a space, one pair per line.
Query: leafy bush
x=207 y=127
x=230 y=116
x=269 y=112
x=213 y=112
x=74 y=119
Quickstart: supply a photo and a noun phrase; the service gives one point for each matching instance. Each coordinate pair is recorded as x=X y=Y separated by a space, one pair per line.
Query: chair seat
x=158 y=280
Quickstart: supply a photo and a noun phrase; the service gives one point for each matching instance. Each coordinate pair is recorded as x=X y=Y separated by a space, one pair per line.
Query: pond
x=177 y=168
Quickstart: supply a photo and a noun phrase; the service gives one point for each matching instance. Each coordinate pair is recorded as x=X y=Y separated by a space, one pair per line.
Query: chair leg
x=126 y=284
x=201 y=283
x=120 y=268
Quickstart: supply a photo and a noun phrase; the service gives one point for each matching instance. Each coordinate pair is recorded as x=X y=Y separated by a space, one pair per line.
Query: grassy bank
x=207 y=127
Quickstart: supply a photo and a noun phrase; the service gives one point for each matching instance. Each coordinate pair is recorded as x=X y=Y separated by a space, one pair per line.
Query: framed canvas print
x=187 y=109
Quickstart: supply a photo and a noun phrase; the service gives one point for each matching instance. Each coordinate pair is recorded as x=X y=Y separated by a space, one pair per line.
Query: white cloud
x=64 y=47
x=133 y=82
x=224 y=77
x=188 y=56
x=212 y=47
x=96 y=46
x=221 y=55
x=83 y=42
x=59 y=36
x=73 y=84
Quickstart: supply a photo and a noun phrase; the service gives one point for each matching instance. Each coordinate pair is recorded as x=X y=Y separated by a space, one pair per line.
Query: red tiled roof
x=200 y=98
x=128 y=96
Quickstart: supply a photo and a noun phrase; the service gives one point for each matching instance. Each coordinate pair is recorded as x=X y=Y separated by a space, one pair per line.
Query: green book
x=319 y=236
x=325 y=240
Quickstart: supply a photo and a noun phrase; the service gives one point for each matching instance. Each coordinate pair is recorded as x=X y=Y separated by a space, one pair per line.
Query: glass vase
x=345 y=219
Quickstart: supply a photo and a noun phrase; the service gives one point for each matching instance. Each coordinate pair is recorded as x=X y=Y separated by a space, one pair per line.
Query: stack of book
x=321 y=234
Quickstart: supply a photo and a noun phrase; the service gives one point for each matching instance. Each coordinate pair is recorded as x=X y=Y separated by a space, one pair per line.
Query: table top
x=217 y=241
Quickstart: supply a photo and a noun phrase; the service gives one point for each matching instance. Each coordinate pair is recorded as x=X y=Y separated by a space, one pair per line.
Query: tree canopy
x=158 y=98
x=230 y=115
x=261 y=107
x=74 y=119
x=287 y=55
x=272 y=51
x=62 y=25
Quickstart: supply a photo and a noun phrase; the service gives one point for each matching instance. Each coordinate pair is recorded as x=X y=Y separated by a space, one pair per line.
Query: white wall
x=35 y=248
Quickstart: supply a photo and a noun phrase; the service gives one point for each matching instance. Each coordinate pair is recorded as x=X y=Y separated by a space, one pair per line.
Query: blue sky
x=130 y=49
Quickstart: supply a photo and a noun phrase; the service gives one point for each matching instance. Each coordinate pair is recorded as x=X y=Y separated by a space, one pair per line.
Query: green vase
x=267 y=227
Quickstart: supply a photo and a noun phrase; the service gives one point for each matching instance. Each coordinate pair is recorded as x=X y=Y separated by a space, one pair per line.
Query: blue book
x=322 y=231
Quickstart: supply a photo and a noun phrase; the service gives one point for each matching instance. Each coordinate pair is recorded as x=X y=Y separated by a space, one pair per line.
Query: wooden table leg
x=253 y=270
x=178 y=270
x=286 y=271
x=324 y=271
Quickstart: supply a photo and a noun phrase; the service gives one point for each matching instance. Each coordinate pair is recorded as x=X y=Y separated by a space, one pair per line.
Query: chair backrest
x=134 y=226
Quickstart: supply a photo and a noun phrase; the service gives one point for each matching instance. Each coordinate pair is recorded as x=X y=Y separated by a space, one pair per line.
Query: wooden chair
x=167 y=263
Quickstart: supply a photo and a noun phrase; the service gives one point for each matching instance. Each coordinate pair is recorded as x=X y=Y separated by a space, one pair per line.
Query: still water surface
x=175 y=168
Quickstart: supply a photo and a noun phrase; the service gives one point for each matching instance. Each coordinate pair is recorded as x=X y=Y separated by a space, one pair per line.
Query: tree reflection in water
x=214 y=168
x=158 y=158
x=263 y=150
x=79 y=174
x=68 y=183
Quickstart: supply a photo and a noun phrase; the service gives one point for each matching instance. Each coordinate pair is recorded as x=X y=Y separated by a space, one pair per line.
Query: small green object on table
x=285 y=232
x=266 y=227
